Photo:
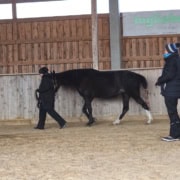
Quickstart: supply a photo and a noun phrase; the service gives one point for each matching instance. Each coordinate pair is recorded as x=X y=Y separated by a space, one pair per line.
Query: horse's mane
x=74 y=72
x=71 y=78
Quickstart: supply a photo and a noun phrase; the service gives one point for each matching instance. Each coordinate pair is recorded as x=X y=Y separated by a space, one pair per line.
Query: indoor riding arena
x=131 y=150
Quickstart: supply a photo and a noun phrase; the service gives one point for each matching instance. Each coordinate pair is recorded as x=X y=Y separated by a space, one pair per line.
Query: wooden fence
x=145 y=51
x=18 y=100
x=64 y=43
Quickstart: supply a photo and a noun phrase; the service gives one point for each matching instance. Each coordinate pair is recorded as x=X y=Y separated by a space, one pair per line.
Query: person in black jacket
x=169 y=82
x=46 y=100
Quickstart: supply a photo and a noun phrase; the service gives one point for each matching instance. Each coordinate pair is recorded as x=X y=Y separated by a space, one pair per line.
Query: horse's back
x=136 y=78
x=123 y=81
x=105 y=79
x=103 y=83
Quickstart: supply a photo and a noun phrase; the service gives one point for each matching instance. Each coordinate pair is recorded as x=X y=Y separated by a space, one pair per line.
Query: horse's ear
x=52 y=72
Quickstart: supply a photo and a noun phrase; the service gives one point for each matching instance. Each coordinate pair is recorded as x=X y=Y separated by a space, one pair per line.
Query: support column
x=14 y=14
x=94 y=18
x=115 y=34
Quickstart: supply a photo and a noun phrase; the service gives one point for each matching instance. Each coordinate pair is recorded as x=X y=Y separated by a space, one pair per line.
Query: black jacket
x=46 y=92
x=170 y=78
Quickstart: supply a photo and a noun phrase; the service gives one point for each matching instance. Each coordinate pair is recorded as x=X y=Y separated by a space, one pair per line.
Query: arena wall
x=18 y=99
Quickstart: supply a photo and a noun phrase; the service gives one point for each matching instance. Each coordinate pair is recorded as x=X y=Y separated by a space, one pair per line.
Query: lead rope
x=53 y=76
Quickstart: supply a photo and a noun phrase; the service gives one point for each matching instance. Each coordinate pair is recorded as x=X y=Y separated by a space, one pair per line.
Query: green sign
x=150 y=23
x=156 y=18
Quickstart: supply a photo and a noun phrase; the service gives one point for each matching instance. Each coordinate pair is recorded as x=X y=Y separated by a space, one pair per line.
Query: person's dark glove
x=39 y=104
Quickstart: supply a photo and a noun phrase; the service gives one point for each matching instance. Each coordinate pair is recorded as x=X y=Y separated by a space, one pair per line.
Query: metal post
x=94 y=18
x=14 y=14
x=115 y=34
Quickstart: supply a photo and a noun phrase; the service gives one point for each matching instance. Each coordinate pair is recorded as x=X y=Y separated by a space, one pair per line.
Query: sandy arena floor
x=130 y=151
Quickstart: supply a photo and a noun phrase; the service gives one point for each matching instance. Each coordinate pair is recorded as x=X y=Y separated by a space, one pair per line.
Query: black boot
x=41 y=128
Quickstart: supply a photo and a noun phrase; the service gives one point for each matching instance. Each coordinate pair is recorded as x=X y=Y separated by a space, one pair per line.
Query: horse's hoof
x=148 y=123
x=116 y=122
x=90 y=123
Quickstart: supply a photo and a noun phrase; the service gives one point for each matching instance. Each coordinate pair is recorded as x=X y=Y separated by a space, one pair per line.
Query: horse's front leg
x=87 y=109
x=125 y=99
x=84 y=110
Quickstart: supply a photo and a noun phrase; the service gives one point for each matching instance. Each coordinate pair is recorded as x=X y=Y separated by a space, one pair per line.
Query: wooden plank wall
x=145 y=51
x=18 y=100
x=63 y=43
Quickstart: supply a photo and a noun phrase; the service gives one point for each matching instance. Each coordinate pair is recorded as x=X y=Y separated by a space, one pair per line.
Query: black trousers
x=42 y=116
x=171 y=105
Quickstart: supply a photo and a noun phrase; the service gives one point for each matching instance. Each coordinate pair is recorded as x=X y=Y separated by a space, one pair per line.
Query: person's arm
x=45 y=85
x=168 y=74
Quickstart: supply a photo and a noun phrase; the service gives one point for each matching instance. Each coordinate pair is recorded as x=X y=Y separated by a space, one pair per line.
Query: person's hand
x=38 y=104
x=157 y=84
x=37 y=90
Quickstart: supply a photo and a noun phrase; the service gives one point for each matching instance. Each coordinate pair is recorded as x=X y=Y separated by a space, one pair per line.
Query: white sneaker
x=169 y=139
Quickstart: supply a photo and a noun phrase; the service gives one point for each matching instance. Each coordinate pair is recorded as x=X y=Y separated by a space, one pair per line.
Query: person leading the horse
x=170 y=88
x=46 y=100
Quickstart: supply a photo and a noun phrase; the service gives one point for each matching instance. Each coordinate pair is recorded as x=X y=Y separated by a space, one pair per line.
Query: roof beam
x=5 y=1
x=24 y=1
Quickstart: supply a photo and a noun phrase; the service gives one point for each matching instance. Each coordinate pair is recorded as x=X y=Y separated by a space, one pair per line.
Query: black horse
x=92 y=84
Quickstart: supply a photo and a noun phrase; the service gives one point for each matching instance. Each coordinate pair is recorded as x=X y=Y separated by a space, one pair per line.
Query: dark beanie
x=172 y=47
x=43 y=70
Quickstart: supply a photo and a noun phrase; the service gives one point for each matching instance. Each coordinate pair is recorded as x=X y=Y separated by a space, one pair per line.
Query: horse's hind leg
x=125 y=99
x=85 y=111
x=140 y=101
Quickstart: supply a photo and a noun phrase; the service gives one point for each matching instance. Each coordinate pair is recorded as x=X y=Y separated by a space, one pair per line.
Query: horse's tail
x=143 y=81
